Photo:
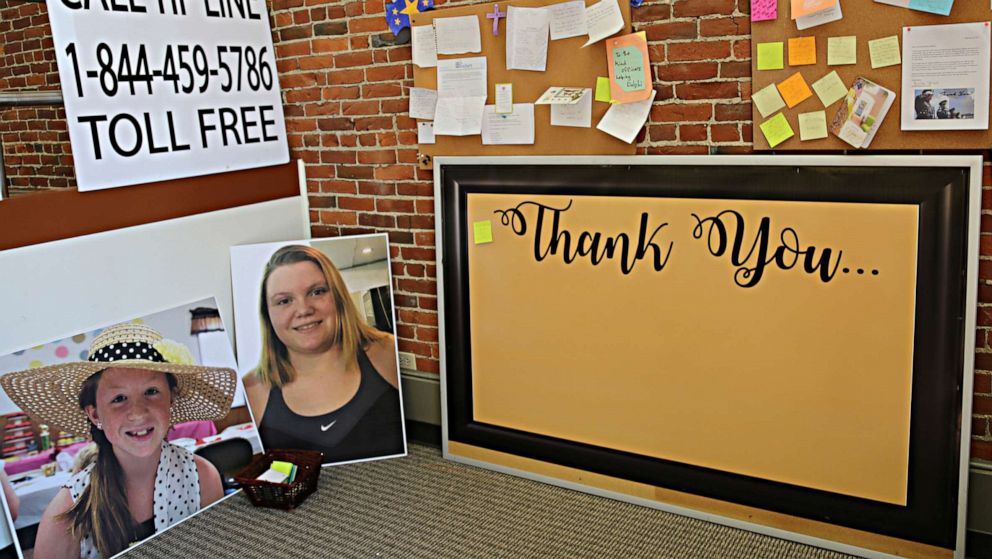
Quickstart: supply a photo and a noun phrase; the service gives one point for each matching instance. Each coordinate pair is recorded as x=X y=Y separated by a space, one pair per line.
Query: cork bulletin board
x=644 y=328
x=569 y=65
x=867 y=20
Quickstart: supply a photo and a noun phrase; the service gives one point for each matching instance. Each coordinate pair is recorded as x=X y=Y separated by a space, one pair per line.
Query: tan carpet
x=424 y=506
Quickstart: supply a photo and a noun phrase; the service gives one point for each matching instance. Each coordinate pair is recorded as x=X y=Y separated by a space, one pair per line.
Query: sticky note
x=776 y=130
x=770 y=56
x=794 y=90
x=830 y=88
x=764 y=10
x=603 y=89
x=884 y=52
x=767 y=100
x=842 y=50
x=812 y=126
x=483 y=232
x=802 y=51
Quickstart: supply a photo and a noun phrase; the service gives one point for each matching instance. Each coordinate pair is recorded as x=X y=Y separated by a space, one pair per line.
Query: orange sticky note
x=802 y=51
x=794 y=90
x=629 y=68
x=802 y=8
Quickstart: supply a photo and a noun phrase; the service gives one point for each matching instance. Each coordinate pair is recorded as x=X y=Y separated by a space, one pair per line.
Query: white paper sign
x=511 y=129
x=945 y=77
x=164 y=90
x=462 y=77
x=457 y=35
x=568 y=19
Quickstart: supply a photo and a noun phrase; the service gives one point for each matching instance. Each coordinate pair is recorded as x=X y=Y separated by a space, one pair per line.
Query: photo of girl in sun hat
x=132 y=388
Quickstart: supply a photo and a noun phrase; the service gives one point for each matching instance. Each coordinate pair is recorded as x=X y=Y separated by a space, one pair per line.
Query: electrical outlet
x=408 y=361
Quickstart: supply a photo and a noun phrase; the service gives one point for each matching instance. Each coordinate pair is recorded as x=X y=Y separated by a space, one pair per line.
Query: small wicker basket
x=281 y=495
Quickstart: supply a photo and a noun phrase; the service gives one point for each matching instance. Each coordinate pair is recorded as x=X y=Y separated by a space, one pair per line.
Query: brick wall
x=344 y=86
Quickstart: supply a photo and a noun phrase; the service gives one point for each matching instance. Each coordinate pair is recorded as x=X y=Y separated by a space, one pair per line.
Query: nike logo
x=328 y=426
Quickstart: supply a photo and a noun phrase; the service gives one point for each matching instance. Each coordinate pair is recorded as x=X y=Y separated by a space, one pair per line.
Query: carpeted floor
x=425 y=506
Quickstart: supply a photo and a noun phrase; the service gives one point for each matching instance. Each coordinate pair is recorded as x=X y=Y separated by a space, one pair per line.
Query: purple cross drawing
x=495 y=17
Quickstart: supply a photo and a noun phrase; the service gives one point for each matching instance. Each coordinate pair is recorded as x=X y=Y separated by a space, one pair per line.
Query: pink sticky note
x=764 y=10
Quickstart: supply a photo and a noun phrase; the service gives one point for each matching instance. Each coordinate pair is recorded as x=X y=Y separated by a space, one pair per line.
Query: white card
x=625 y=120
x=504 y=98
x=578 y=114
x=425 y=132
x=422 y=103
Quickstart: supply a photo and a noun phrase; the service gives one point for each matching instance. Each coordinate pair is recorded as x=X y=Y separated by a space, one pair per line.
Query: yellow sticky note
x=770 y=56
x=767 y=100
x=603 y=89
x=794 y=90
x=282 y=467
x=802 y=51
x=830 y=88
x=842 y=50
x=812 y=126
x=483 y=232
x=884 y=52
x=776 y=130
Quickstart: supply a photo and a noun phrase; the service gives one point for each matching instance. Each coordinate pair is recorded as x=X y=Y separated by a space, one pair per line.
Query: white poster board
x=164 y=89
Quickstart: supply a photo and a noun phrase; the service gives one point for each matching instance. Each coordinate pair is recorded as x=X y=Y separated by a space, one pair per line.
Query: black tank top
x=368 y=425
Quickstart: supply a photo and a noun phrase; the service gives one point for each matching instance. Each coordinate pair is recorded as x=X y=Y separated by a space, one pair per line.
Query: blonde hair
x=352 y=332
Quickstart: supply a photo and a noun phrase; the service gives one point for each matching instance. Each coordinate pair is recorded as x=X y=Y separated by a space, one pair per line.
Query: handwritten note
x=422 y=103
x=568 y=19
x=764 y=10
x=602 y=20
x=630 y=73
x=776 y=130
x=424 y=46
x=884 y=52
x=830 y=88
x=842 y=50
x=457 y=35
x=527 y=38
x=767 y=100
x=794 y=90
x=812 y=126
x=770 y=56
x=802 y=51
x=578 y=114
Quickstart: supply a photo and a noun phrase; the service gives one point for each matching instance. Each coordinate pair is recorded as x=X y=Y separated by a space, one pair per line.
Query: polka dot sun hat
x=51 y=394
